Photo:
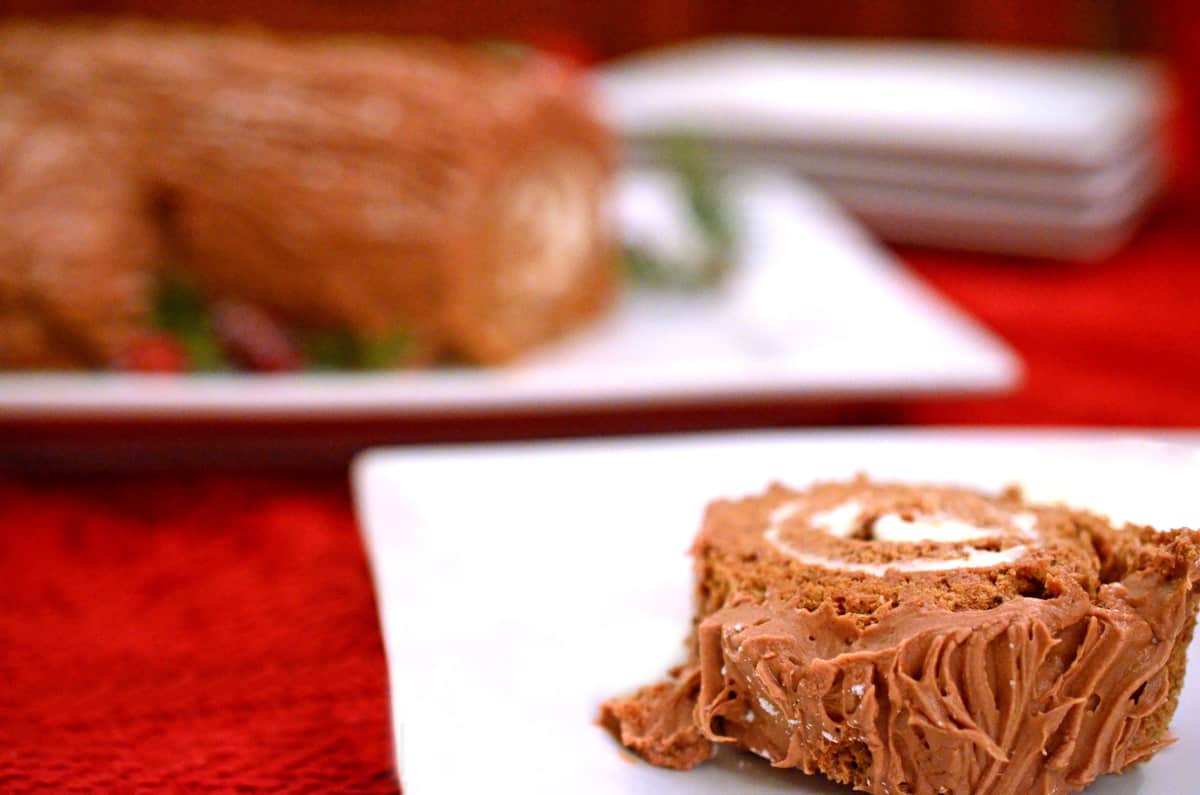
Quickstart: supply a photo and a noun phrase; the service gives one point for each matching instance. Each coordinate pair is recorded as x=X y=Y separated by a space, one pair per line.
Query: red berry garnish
x=254 y=339
x=155 y=352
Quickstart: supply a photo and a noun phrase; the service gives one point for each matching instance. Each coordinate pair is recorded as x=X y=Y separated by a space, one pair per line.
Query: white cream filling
x=842 y=520
x=552 y=215
x=1025 y=522
x=942 y=529
x=972 y=559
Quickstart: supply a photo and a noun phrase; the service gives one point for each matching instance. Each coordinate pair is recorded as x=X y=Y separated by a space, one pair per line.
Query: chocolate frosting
x=1035 y=695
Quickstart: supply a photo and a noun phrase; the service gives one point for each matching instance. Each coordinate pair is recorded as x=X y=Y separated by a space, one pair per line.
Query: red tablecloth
x=1109 y=343
x=219 y=634
x=188 y=636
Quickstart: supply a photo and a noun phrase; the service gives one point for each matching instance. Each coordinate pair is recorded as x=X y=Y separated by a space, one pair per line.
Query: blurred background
x=611 y=29
x=1104 y=326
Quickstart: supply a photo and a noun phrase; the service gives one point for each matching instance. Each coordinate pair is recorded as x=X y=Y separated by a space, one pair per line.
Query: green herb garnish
x=330 y=350
x=690 y=160
x=335 y=349
x=180 y=310
x=660 y=273
x=385 y=352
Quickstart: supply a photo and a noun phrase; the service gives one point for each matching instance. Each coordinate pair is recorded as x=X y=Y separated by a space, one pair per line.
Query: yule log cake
x=905 y=639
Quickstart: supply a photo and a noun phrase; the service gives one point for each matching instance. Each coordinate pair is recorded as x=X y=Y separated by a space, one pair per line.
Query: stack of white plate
x=1017 y=152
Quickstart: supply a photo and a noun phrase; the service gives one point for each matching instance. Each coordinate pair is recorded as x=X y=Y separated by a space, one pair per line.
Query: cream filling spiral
x=844 y=520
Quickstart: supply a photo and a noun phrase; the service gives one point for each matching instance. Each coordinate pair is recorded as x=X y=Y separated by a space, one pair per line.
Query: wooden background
x=603 y=29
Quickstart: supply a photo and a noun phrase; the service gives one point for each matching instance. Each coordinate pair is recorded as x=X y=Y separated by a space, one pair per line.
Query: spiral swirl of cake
x=899 y=529
x=920 y=639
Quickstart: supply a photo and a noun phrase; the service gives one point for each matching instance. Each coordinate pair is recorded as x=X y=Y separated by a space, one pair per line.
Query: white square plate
x=1019 y=152
x=521 y=585
x=814 y=309
x=960 y=104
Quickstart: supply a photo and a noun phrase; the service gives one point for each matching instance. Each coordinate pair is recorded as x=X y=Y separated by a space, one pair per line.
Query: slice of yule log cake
x=906 y=639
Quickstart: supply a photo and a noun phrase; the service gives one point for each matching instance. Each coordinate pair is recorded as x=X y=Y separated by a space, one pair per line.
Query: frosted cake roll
x=907 y=639
x=359 y=185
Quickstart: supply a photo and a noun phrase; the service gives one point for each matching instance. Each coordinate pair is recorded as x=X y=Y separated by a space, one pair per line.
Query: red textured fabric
x=1110 y=343
x=190 y=636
